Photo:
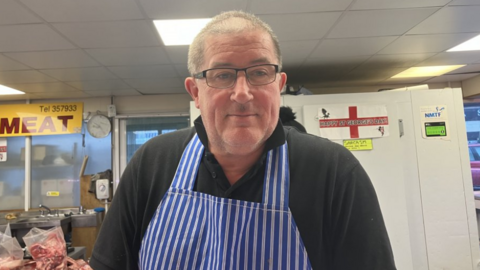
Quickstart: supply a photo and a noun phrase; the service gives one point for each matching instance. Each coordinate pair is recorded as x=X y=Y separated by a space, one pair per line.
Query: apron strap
x=188 y=167
x=276 y=180
x=277 y=177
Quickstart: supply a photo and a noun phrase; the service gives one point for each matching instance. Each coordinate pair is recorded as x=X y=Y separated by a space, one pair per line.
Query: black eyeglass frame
x=203 y=74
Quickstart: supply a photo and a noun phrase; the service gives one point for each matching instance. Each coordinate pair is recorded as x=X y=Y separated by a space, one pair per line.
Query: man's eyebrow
x=226 y=64
x=221 y=64
x=260 y=61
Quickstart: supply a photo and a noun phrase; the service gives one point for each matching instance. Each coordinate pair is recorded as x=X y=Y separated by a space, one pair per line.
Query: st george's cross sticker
x=340 y=122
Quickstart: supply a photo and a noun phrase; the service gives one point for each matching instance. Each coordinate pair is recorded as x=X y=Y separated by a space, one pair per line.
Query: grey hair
x=220 y=25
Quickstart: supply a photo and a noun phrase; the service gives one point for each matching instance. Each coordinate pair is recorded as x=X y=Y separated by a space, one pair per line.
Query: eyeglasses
x=222 y=78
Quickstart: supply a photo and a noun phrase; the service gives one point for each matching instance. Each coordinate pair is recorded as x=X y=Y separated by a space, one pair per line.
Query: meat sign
x=40 y=119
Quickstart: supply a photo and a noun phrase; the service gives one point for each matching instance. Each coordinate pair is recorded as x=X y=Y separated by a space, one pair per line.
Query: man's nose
x=241 y=90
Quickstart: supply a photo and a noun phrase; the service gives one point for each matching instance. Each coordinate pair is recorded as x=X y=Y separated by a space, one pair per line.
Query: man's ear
x=282 y=81
x=192 y=89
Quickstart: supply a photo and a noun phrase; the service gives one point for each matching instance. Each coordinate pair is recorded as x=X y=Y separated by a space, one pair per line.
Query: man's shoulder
x=306 y=140
x=180 y=135
x=316 y=149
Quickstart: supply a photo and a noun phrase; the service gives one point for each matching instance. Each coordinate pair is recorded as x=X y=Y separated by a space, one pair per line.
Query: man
x=239 y=191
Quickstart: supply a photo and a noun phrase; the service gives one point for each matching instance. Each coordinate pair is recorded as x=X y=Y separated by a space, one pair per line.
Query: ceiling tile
x=178 y=54
x=54 y=59
x=110 y=34
x=42 y=87
x=471 y=68
x=62 y=95
x=451 y=78
x=114 y=92
x=169 y=90
x=395 y=60
x=130 y=56
x=451 y=19
x=425 y=43
x=296 y=52
x=333 y=61
x=31 y=37
x=351 y=46
x=370 y=23
x=99 y=85
x=401 y=82
x=382 y=4
x=24 y=76
x=9 y=64
x=298 y=6
x=452 y=58
x=305 y=26
x=157 y=71
x=12 y=13
x=372 y=74
x=182 y=70
x=80 y=74
x=188 y=9
x=156 y=83
x=465 y=2
x=85 y=10
x=20 y=98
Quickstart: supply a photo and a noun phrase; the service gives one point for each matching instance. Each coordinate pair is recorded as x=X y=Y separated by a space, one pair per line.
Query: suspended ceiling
x=79 y=49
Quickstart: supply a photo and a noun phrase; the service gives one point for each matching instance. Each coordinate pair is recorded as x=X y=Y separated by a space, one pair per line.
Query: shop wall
x=471 y=87
x=126 y=104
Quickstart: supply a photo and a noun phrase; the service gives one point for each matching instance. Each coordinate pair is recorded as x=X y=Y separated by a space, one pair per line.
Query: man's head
x=222 y=24
x=236 y=82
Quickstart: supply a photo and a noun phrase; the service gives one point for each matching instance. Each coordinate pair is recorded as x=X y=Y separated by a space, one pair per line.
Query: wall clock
x=99 y=126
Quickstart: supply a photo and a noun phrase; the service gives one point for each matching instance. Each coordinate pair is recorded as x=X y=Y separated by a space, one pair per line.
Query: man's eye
x=258 y=73
x=224 y=76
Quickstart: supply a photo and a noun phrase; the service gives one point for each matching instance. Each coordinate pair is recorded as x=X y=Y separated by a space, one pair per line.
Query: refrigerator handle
x=400 y=127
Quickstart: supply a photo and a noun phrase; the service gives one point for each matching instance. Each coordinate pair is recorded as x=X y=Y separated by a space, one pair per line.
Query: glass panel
x=12 y=175
x=99 y=153
x=472 y=120
x=140 y=130
x=56 y=164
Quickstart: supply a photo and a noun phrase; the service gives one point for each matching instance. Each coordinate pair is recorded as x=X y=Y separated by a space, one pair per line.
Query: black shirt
x=247 y=188
x=331 y=198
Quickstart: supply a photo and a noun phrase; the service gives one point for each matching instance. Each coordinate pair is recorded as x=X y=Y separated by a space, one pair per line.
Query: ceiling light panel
x=179 y=32
x=430 y=71
x=469 y=45
x=9 y=91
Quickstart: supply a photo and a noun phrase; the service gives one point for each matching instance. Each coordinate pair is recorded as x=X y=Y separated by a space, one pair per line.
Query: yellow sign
x=357 y=145
x=53 y=193
x=40 y=119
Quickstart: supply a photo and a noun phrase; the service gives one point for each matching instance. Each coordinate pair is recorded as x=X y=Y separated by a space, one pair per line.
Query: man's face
x=238 y=119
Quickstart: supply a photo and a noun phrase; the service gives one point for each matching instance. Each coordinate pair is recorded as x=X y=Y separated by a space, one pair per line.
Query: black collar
x=275 y=140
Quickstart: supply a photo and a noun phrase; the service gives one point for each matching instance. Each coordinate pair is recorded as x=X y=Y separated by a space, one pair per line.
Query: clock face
x=99 y=126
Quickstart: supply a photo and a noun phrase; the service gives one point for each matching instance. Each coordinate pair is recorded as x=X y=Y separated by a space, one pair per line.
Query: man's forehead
x=261 y=60
x=221 y=50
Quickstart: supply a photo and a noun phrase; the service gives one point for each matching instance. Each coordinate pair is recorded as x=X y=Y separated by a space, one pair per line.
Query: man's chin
x=243 y=140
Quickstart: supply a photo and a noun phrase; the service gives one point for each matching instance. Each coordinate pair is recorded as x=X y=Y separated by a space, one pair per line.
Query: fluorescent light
x=426 y=71
x=9 y=91
x=179 y=32
x=469 y=45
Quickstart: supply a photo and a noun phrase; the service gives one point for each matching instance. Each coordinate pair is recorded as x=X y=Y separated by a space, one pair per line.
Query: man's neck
x=235 y=166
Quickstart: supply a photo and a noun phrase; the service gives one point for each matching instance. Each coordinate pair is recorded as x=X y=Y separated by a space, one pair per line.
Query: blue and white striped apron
x=193 y=230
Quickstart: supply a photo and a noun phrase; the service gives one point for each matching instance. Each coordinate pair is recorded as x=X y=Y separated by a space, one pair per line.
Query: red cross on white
x=353 y=122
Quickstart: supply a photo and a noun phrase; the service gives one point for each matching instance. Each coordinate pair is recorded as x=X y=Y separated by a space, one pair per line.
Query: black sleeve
x=142 y=186
x=335 y=207
x=360 y=240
